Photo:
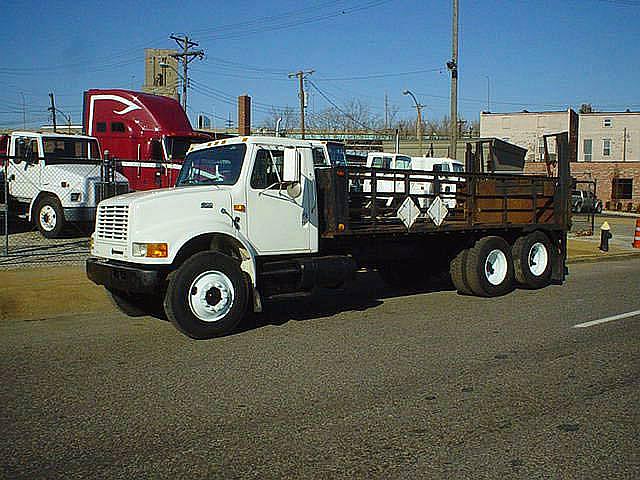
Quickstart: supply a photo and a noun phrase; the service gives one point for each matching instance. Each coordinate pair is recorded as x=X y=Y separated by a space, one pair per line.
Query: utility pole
x=301 y=76
x=24 y=112
x=386 y=111
x=453 y=66
x=488 y=94
x=52 y=109
x=186 y=57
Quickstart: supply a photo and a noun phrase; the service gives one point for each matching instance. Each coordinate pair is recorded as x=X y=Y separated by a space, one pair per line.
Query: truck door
x=276 y=222
x=25 y=168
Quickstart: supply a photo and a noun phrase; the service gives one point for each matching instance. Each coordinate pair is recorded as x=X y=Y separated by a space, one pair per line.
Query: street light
x=419 y=120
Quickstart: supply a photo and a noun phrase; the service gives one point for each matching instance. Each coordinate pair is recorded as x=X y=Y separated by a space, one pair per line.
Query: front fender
x=248 y=253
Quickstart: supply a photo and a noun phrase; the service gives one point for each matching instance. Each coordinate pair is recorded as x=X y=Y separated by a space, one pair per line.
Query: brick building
x=603 y=146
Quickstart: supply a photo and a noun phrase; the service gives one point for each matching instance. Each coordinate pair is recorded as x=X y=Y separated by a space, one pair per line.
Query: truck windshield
x=177 y=147
x=69 y=148
x=337 y=155
x=213 y=166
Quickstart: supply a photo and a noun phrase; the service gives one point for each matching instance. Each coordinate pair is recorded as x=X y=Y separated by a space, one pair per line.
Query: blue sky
x=538 y=54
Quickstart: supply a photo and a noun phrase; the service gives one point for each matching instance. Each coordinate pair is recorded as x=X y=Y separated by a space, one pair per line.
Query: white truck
x=389 y=181
x=252 y=218
x=55 y=179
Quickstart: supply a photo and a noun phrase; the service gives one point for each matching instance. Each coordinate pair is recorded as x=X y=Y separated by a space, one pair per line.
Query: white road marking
x=607 y=319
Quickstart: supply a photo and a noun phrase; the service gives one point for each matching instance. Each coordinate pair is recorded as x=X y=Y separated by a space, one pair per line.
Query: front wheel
x=207 y=296
x=49 y=217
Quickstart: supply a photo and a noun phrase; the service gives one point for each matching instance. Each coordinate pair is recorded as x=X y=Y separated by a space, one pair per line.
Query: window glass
x=622 y=188
x=458 y=168
x=101 y=127
x=213 y=166
x=117 y=127
x=156 y=150
x=607 y=122
x=403 y=163
x=68 y=148
x=267 y=169
x=587 y=145
x=606 y=147
x=319 y=159
x=381 y=162
x=337 y=154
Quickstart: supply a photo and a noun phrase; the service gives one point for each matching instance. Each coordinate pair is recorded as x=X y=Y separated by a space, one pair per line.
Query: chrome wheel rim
x=211 y=296
x=538 y=259
x=495 y=267
x=48 y=218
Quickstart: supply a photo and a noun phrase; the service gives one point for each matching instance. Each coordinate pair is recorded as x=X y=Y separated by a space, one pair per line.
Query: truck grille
x=112 y=223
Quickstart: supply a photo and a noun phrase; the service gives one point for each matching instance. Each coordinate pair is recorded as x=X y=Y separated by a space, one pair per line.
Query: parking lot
x=362 y=383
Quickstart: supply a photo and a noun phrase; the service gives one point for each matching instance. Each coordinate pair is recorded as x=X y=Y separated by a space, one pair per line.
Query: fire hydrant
x=605 y=236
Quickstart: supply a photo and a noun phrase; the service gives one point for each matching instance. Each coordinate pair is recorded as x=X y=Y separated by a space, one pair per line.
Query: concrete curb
x=603 y=257
x=613 y=213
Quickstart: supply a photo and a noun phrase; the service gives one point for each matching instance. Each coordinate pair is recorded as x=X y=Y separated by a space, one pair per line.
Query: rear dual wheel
x=489 y=267
x=533 y=260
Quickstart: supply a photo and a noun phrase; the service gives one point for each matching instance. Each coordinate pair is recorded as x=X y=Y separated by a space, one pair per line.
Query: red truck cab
x=149 y=135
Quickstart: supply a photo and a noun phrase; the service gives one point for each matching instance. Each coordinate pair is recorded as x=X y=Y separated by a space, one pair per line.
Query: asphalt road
x=355 y=384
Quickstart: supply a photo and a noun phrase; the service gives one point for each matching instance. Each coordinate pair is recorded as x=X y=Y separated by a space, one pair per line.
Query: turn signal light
x=239 y=207
x=157 y=250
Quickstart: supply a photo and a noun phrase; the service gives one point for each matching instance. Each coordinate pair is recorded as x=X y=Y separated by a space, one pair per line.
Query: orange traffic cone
x=636 y=238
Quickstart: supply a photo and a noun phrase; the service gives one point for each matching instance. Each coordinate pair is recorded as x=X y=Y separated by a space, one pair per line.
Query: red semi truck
x=149 y=135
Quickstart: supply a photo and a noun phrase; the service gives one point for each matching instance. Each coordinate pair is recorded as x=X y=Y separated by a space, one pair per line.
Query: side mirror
x=291 y=167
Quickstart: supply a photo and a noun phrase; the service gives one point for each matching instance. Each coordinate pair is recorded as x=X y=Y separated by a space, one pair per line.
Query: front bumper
x=80 y=214
x=124 y=277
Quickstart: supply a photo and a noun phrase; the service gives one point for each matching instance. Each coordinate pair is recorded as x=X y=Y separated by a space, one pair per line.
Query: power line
x=336 y=106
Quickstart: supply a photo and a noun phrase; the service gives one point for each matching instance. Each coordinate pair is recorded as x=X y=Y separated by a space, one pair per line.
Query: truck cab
x=148 y=134
x=53 y=178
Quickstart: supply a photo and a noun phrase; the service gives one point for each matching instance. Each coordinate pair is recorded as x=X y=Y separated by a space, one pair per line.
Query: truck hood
x=78 y=173
x=176 y=194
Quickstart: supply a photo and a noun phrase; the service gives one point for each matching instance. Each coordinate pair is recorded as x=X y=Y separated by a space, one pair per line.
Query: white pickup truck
x=253 y=218
x=55 y=179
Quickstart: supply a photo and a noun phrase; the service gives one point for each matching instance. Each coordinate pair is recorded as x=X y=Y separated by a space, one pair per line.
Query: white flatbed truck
x=252 y=218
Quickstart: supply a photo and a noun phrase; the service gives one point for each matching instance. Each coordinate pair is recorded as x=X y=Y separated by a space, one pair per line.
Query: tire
x=207 y=296
x=490 y=267
x=49 y=217
x=457 y=270
x=130 y=305
x=533 y=260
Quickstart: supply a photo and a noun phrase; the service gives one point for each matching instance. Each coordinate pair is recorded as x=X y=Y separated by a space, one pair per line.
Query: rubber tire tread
x=520 y=253
x=458 y=272
x=57 y=206
x=476 y=258
x=177 y=307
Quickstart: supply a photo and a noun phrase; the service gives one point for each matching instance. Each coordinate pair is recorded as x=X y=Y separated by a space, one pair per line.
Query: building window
x=622 y=188
x=117 y=127
x=101 y=127
x=606 y=147
x=541 y=149
x=587 y=147
x=607 y=122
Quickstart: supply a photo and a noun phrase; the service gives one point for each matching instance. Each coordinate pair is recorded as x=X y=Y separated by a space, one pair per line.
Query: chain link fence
x=585 y=204
x=48 y=205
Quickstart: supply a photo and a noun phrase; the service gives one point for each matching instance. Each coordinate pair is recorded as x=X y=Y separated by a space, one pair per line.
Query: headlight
x=150 y=250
